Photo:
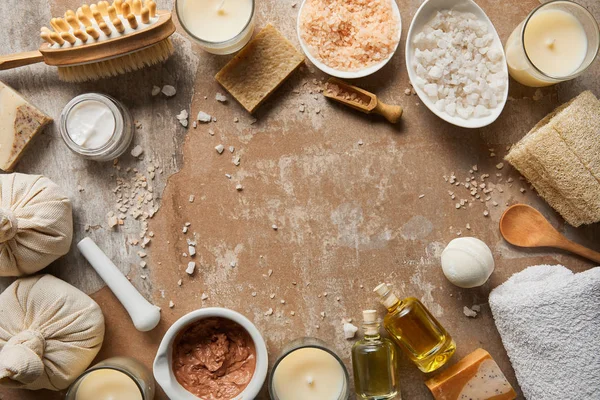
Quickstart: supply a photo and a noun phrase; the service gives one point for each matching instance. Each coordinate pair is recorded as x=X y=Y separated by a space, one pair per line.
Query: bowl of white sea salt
x=456 y=62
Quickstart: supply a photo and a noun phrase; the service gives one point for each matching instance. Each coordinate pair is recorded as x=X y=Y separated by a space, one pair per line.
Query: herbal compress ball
x=36 y=223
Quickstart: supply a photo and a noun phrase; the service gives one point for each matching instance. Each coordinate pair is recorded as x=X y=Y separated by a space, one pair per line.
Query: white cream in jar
x=96 y=126
x=91 y=124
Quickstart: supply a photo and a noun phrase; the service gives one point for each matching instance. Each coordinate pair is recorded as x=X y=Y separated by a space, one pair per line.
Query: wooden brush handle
x=580 y=250
x=20 y=59
x=391 y=113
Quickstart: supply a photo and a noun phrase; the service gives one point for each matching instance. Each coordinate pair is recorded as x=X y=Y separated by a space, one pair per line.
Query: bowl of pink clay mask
x=212 y=353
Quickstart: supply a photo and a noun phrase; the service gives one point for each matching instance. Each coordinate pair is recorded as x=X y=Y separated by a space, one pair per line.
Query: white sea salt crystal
x=459 y=66
x=349 y=330
x=169 y=90
x=204 y=117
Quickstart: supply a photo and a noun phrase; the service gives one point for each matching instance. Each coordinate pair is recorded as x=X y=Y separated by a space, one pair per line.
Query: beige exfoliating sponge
x=560 y=156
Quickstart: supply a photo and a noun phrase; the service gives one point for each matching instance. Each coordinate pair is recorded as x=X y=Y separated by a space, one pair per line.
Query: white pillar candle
x=308 y=373
x=220 y=26
x=552 y=45
x=555 y=42
x=108 y=384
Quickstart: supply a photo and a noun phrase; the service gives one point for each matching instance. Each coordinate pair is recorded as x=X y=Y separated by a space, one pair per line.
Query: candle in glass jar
x=219 y=26
x=308 y=373
x=108 y=384
x=556 y=42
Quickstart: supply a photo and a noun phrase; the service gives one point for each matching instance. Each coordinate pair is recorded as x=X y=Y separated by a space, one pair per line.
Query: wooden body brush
x=102 y=40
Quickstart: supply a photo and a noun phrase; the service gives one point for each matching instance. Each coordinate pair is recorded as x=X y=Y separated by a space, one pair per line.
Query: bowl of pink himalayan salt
x=349 y=39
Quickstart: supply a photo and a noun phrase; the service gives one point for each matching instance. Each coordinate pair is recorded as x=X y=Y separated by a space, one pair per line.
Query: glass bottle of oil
x=374 y=363
x=416 y=331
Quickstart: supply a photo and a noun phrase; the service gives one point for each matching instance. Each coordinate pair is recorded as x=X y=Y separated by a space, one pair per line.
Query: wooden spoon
x=524 y=226
x=361 y=100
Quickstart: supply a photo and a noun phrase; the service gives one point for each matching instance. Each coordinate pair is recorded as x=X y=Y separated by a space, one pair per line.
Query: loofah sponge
x=560 y=156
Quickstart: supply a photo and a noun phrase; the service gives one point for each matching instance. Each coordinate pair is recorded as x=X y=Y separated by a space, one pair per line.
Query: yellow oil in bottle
x=374 y=363
x=416 y=331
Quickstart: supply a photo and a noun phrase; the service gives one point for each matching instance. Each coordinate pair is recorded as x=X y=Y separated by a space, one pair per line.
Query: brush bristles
x=154 y=54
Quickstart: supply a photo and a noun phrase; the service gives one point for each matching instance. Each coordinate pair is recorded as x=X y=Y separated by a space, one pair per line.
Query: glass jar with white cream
x=96 y=126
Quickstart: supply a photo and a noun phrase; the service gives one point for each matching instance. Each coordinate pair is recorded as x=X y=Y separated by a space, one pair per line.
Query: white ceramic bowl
x=163 y=372
x=348 y=74
x=422 y=17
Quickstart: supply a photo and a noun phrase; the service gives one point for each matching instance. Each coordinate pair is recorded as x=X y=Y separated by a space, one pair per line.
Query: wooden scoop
x=524 y=226
x=361 y=100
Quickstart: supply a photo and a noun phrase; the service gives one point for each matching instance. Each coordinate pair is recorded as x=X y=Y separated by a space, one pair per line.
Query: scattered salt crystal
x=171 y=304
x=203 y=117
x=169 y=90
x=219 y=148
x=204 y=296
x=239 y=187
x=155 y=90
x=469 y=313
x=349 y=330
x=182 y=117
x=190 y=268
x=220 y=97
x=137 y=151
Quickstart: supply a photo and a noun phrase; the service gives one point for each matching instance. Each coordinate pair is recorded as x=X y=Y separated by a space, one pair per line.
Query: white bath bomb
x=467 y=262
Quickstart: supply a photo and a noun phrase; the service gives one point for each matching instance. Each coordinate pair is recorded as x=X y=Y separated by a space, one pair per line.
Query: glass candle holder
x=308 y=369
x=218 y=26
x=557 y=42
x=96 y=126
x=117 y=378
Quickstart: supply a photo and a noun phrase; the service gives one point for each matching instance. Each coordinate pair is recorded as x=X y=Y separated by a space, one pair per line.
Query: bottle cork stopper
x=369 y=316
x=382 y=289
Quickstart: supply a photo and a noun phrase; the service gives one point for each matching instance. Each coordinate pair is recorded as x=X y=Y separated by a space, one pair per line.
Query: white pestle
x=145 y=316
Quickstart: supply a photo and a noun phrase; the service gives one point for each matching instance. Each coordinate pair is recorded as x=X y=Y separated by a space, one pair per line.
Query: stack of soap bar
x=560 y=156
x=475 y=377
x=19 y=123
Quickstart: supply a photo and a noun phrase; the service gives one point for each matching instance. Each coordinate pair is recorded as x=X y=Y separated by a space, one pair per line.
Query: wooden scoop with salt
x=361 y=100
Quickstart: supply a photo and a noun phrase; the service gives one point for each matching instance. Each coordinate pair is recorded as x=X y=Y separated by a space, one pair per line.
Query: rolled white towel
x=549 y=321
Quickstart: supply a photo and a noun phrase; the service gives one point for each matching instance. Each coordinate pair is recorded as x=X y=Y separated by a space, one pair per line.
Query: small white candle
x=308 y=373
x=108 y=384
x=554 y=41
x=218 y=21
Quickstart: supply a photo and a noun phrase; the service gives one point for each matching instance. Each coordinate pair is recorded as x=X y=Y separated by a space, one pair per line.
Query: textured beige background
x=348 y=214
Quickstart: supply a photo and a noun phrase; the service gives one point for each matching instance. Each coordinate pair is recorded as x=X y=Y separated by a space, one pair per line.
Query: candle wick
x=220 y=8
x=309 y=380
x=549 y=42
